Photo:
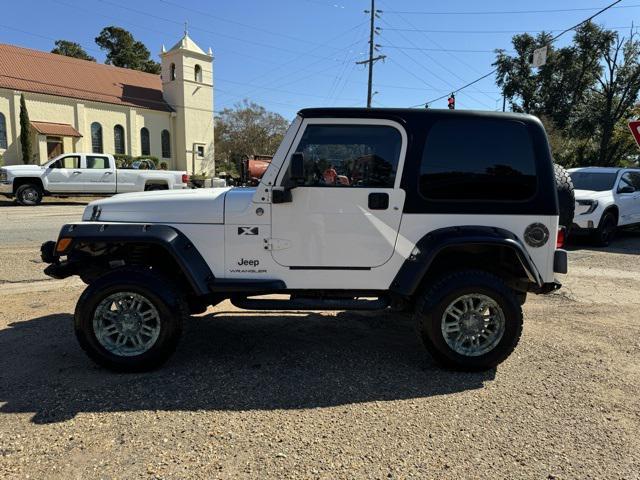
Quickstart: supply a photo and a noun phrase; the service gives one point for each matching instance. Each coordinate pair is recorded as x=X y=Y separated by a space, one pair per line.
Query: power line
x=234 y=22
x=510 y=12
x=443 y=50
x=601 y=11
x=435 y=61
x=480 y=32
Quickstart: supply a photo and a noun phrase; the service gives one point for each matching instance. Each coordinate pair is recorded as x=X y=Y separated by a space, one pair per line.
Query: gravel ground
x=325 y=395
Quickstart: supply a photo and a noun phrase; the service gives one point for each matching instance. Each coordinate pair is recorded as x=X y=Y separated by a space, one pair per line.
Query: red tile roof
x=60 y=129
x=40 y=72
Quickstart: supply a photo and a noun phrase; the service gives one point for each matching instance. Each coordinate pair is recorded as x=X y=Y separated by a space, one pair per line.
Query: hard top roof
x=407 y=113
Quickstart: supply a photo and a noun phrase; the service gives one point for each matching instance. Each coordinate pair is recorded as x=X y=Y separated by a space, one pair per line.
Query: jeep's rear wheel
x=130 y=320
x=29 y=195
x=469 y=320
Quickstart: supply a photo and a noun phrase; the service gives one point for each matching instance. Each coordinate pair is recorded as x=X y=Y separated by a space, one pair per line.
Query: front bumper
x=56 y=268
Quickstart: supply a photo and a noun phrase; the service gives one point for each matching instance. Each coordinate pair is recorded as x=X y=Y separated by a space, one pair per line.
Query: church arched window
x=166 y=144
x=118 y=139
x=198 y=73
x=145 y=142
x=96 y=138
x=3 y=131
x=173 y=71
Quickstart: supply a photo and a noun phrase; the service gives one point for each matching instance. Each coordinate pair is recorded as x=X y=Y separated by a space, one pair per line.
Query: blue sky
x=290 y=54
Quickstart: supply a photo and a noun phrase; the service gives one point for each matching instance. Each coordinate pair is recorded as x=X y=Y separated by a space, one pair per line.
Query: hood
x=22 y=168
x=203 y=205
x=592 y=195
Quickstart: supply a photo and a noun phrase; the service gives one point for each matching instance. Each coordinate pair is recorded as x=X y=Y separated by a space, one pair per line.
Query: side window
x=478 y=159
x=97 y=162
x=350 y=155
x=70 y=161
x=625 y=182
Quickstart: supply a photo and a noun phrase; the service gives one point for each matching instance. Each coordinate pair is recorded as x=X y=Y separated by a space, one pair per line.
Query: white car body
x=87 y=174
x=323 y=230
x=606 y=189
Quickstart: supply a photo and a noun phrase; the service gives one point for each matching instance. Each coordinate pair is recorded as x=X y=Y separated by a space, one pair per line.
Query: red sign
x=635 y=130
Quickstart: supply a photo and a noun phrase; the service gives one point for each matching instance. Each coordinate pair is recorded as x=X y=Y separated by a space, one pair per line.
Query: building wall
x=81 y=115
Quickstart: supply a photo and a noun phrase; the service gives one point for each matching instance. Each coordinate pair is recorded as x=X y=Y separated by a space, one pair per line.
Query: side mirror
x=296 y=169
x=626 y=189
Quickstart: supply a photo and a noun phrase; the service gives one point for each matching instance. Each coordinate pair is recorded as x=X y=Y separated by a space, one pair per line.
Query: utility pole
x=372 y=48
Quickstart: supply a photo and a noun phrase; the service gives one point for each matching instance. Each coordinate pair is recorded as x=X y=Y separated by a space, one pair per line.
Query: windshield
x=596 y=182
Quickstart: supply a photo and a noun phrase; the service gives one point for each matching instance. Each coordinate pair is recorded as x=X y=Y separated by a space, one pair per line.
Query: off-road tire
x=606 y=230
x=162 y=293
x=29 y=195
x=566 y=196
x=433 y=303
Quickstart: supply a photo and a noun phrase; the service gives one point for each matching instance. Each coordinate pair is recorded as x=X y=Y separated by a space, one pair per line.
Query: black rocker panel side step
x=307 y=303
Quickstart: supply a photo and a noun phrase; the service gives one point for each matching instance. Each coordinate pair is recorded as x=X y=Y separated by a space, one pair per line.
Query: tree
x=125 y=51
x=612 y=100
x=584 y=93
x=71 y=49
x=246 y=129
x=25 y=132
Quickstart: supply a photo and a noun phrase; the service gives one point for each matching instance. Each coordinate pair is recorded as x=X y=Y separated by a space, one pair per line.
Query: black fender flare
x=186 y=255
x=416 y=266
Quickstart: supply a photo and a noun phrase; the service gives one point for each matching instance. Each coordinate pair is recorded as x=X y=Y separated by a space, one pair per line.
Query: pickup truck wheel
x=469 y=320
x=130 y=320
x=29 y=195
x=606 y=229
x=153 y=187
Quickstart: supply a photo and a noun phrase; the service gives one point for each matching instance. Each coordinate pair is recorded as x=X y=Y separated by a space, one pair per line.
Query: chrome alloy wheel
x=126 y=324
x=473 y=324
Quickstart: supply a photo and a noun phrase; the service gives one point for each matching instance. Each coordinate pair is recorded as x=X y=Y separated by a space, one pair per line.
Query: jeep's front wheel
x=469 y=320
x=130 y=320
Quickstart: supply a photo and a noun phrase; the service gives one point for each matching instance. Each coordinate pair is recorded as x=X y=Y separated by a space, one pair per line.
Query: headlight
x=591 y=204
x=3 y=175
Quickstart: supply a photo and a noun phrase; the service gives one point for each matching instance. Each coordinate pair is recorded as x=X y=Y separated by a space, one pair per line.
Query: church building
x=82 y=106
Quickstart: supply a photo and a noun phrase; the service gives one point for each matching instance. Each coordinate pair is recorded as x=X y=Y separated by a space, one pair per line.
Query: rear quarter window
x=478 y=160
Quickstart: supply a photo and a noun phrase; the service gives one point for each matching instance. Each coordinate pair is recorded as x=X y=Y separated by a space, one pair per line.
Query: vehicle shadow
x=228 y=361
x=49 y=203
x=627 y=241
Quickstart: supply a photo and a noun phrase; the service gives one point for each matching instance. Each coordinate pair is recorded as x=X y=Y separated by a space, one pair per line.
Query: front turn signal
x=63 y=245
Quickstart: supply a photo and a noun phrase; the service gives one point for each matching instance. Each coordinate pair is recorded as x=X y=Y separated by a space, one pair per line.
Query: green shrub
x=123 y=160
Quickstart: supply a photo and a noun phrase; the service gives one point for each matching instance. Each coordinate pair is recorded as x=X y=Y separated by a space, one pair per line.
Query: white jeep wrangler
x=450 y=215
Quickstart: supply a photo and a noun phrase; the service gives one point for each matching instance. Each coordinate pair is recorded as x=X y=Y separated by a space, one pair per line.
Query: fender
x=415 y=267
x=186 y=255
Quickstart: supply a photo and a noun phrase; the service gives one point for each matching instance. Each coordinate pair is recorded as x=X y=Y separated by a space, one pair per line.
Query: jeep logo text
x=251 y=263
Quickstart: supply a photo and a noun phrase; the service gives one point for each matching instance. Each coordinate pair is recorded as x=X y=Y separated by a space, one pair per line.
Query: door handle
x=108 y=173
x=378 y=201
x=77 y=173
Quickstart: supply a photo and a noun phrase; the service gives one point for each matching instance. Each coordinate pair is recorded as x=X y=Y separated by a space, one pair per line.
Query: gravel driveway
x=323 y=395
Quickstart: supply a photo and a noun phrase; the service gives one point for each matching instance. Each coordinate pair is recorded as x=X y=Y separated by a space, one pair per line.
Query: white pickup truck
x=82 y=174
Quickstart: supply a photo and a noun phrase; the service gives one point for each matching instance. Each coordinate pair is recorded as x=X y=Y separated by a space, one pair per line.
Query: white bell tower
x=187 y=82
